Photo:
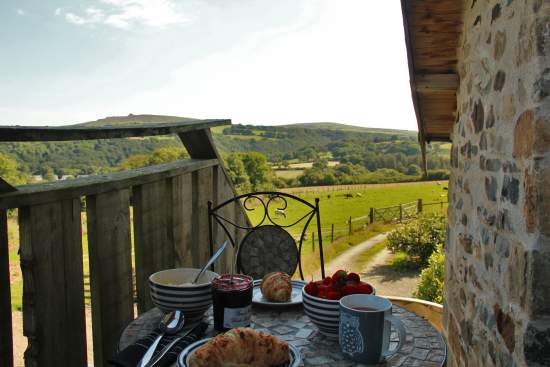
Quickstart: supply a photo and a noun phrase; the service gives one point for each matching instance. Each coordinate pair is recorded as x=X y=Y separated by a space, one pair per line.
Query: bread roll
x=276 y=287
x=241 y=347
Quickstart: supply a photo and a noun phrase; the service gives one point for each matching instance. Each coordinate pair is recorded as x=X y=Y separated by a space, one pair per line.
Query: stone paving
x=423 y=346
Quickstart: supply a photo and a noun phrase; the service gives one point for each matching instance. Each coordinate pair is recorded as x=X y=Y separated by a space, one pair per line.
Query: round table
x=424 y=345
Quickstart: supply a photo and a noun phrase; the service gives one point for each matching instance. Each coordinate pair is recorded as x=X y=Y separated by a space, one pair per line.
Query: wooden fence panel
x=53 y=289
x=110 y=270
x=202 y=193
x=6 y=346
x=180 y=219
x=152 y=206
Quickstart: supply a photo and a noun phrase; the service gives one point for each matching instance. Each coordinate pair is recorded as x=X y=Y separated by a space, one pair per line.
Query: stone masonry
x=498 y=260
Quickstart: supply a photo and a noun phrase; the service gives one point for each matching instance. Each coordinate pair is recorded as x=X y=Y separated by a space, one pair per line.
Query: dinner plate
x=295 y=297
x=183 y=358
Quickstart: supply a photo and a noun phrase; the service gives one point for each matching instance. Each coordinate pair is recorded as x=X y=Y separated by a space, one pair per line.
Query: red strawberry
x=340 y=275
x=334 y=295
x=322 y=294
x=349 y=289
x=327 y=280
x=311 y=289
x=354 y=277
x=364 y=288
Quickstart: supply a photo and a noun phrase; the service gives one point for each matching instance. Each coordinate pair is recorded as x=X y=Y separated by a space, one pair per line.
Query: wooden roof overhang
x=432 y=32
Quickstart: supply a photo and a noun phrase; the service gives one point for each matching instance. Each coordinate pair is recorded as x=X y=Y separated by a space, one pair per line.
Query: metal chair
x=267 y=246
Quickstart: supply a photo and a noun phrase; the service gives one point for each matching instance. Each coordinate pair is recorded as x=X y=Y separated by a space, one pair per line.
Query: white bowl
x=172 y=290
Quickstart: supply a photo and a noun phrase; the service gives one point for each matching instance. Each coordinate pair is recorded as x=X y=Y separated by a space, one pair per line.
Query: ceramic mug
x=365 y=328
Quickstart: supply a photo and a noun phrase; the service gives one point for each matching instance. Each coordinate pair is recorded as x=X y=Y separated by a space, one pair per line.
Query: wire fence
x=391 y=214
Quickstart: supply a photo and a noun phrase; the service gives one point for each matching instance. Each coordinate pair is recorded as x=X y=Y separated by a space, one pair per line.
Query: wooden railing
x=168 y=206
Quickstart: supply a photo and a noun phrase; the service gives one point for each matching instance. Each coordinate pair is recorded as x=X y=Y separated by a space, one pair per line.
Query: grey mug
x=365 y=328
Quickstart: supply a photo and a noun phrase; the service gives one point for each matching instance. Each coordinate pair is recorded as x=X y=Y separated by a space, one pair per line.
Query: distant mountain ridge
x=132 y=119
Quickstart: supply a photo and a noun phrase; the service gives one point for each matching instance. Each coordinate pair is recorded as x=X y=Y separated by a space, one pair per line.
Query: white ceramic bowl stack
x=171 y=290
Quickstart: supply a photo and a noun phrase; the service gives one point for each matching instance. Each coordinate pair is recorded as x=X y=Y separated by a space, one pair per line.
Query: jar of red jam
x=232 y=299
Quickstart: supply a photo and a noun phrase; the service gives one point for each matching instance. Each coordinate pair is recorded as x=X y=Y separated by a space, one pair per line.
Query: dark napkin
x=131 y=355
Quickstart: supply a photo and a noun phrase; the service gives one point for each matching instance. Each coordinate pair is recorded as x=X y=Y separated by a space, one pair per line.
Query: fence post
x=400 y=212
x=313 y=241
x=371 y=216
x=332 y=233
x=350 y=229
x=419 y=206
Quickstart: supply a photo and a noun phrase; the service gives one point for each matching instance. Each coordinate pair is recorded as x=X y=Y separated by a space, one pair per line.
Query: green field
x=336 y=208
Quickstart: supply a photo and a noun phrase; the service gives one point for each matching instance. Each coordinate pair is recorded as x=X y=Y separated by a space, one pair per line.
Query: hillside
x=369 y=147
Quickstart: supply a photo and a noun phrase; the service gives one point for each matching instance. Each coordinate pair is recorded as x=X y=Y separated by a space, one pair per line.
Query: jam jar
x=232 y=299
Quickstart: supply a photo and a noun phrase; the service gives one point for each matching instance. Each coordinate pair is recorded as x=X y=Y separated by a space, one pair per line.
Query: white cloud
x=125 y=14
x=20 y=12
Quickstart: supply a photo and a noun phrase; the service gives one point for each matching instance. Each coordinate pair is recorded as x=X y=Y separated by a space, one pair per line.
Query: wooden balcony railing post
x=53 y=286
x=181 y=229
x=6 y=347
x=152 y=209
x=110 y=270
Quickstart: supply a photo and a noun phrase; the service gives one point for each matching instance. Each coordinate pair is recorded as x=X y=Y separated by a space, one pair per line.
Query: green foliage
x=430 y=287
x=159 y=156
x=9 y=172
x=419 y=238
x=250 y=172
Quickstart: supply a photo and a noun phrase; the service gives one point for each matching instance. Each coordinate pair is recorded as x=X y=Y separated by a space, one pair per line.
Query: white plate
x=295 y=297
x=183 y=358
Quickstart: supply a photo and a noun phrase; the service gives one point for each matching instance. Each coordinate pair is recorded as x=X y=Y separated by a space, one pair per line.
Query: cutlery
x=169 y=325
x=168 y=347
x=211 y=261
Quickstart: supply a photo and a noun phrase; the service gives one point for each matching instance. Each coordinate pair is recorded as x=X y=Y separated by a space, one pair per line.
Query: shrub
x=430 y=287
x=419 y=238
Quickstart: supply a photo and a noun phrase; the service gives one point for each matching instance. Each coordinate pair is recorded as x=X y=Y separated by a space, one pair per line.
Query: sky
x=263 y=62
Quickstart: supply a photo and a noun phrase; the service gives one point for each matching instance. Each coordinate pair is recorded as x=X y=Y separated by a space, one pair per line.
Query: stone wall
x=498 y=248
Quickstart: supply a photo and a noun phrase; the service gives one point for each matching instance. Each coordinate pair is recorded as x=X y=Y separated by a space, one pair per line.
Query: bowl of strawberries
x=321 y=299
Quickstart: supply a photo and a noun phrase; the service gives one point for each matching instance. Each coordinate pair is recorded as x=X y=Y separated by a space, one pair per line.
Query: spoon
x=170 y=324
x=211 y=261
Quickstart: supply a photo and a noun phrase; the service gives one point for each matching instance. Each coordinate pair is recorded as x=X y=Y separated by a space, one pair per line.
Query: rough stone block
x=478 y=116
x=543 y=193
x=524 y=133
x=506 y=327
x=542 y=135
x=540 y=282
x=510 y=189
x=491 y=188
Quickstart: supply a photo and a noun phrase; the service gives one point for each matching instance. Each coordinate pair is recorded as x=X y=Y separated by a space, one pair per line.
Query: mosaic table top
x=424 y=345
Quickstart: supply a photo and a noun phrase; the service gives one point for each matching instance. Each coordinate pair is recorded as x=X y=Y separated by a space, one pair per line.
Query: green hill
x=369 y=147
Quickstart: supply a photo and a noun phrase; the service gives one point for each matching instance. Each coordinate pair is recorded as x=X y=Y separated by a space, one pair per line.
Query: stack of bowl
x=172 y=290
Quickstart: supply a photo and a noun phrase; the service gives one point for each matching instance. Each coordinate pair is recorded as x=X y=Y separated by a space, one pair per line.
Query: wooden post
x=6 y=344
x=53 y=284
x=419 y=207
x=332 y=233
x=110 y=251
x=371 y=216
x=401 y=212
x=350 y=228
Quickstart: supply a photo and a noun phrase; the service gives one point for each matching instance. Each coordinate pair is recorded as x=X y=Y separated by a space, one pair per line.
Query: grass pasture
x=337 y=206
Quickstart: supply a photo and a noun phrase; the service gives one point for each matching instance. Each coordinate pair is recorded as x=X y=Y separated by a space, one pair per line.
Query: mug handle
x=400 y=330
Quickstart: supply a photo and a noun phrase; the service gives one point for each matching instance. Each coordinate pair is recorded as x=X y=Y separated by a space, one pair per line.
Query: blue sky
x=254 y=61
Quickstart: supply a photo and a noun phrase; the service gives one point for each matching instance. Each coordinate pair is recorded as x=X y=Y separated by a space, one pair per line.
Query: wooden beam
x=436 y=83
x=110 y=250
x=199 y=144
x=59 y=190
x=6 y=187
x=48 y=133
x=53 y=284
x=6 y=344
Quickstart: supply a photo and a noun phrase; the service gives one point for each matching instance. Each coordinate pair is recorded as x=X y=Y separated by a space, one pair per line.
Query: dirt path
x=388 y=282
x=346 y=259
x=377 y=271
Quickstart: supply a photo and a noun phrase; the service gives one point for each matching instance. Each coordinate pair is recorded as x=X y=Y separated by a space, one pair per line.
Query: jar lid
x=238 y=282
